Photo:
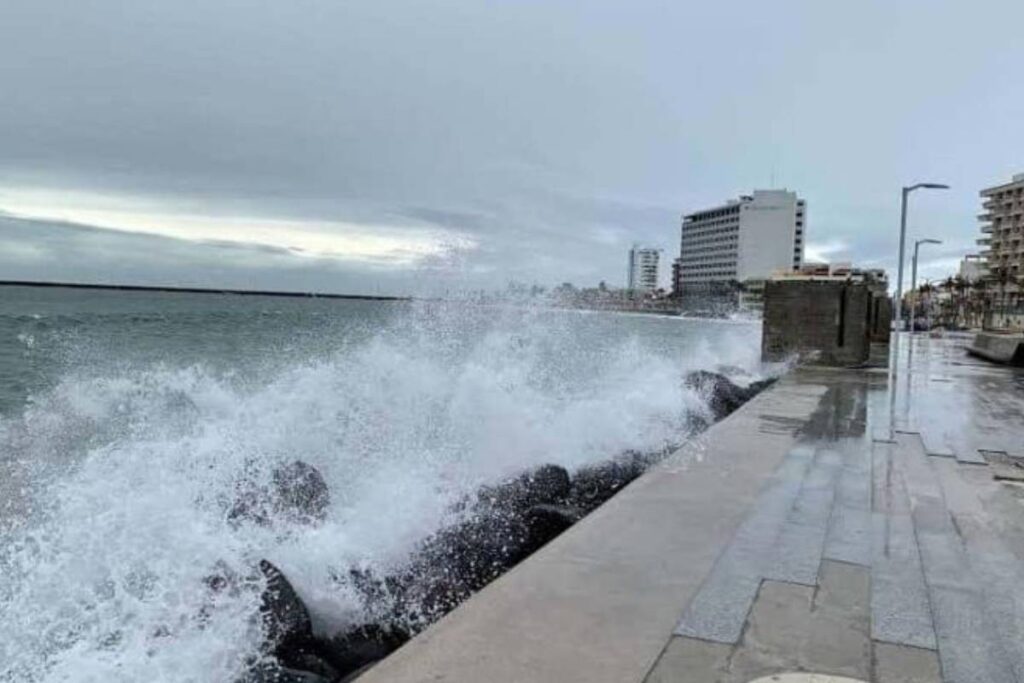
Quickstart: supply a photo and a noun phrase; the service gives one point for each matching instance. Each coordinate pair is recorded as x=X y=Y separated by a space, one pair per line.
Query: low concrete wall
x=826 y=322
x=999 y=348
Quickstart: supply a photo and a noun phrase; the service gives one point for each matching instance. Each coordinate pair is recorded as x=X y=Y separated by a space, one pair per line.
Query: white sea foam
x=119 y=484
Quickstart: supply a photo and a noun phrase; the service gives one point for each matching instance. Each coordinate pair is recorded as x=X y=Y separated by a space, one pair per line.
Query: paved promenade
x=847 y=522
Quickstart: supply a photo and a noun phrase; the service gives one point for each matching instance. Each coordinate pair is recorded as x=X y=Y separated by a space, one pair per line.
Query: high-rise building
x=643 y=269
x=742 y=240
x=1002 y=239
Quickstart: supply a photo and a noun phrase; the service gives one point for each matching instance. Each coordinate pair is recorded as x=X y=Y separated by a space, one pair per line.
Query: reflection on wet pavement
x=902 y=494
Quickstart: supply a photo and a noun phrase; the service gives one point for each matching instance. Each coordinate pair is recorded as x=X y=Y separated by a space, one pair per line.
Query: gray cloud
x=551 y=133
x=67 y=252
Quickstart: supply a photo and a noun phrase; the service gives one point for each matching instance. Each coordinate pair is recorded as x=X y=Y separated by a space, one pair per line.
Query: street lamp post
x=913 y=277
x=903 y=241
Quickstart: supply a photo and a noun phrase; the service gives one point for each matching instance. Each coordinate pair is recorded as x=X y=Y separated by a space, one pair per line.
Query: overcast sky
x=418 y=146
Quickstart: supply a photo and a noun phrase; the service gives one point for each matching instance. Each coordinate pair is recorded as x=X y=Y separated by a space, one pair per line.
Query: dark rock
x=723 y=395
x=270 y=672
x=595 y=484
x=301 y=492
x=355 y=648
x=547 y=484
x=286 y=623
x=503 y=526
x=314 y=664
x=755 y=388
x=251 y=505
x=462 y=559
x=297 y=492
x=545 y=522
x=348 y=678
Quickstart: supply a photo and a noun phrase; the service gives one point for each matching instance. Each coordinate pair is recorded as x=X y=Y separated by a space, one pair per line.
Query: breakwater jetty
x=197 y=290
x=864 y=523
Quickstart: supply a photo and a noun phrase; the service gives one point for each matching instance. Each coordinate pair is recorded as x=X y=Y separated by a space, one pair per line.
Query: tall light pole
x=903 y=241
x=913 y=277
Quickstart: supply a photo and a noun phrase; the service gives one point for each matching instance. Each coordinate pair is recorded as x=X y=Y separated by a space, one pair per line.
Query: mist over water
x=136 y=418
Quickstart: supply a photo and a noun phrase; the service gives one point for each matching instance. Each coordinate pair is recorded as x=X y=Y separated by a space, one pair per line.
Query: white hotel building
x=745 y=239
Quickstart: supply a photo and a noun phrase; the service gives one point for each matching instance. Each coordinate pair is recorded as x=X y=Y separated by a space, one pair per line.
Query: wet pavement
x=891 y=481
x=859 y=523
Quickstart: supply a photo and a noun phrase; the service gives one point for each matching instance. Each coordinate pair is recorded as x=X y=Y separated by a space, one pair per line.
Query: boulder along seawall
x=502 y=525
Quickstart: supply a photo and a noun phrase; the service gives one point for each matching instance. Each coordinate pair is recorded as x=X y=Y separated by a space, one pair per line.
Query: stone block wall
x=881 y=317
x=824 y=322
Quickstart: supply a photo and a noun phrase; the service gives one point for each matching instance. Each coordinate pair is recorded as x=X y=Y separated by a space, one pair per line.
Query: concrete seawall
x=612 y=586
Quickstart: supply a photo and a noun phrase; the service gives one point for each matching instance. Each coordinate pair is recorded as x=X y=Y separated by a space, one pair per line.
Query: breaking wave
x=118 y=484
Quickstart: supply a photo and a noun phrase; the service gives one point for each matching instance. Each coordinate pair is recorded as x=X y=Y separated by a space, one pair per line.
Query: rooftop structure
x=835 y=271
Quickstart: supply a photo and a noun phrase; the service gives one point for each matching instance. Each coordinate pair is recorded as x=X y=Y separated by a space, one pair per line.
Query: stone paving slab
x=935 y=444
x=969 y=649
x=689 y=660
x=970 y=456
x=849 y=533
x=797 y=553
x=719 y=610
x=899 y=664
x=900 y=611
x=999 y=571
x=791 y=627
x=887 y=495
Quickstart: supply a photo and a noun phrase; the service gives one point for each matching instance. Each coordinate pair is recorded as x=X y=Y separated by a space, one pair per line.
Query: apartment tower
x=643 y=269
x=1002 y=239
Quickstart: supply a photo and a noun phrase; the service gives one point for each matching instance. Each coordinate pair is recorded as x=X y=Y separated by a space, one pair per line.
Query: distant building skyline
x=642 y=269
x=743 y=239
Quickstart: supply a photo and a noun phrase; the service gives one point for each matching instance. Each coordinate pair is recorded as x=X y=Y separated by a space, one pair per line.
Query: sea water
x=129 y=419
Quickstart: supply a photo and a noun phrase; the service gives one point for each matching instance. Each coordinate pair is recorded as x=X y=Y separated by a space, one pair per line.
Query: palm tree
x=924 y=292
x=1003 y=277
x=1017 y=281
x=960 y=286
x=981 y=300
x=952 y=307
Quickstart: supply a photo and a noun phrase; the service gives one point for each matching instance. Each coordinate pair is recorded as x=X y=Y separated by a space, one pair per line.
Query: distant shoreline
x=200 y=290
